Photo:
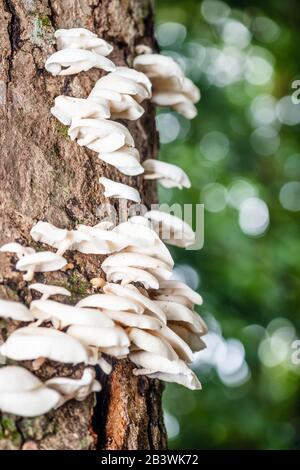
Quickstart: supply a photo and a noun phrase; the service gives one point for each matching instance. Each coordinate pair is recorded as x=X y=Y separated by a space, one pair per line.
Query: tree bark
x=45 y=176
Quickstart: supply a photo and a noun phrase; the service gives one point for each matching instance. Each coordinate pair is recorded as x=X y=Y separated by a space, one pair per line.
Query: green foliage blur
x=242 y=153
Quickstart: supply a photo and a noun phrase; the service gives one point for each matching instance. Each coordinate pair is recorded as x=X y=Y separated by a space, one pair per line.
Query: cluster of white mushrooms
x=141 y=313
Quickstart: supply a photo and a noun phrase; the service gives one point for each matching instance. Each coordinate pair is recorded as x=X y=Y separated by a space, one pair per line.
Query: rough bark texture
x=45 y=176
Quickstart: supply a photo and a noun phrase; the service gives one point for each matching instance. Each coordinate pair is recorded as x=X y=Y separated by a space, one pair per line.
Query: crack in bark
x=13 y=33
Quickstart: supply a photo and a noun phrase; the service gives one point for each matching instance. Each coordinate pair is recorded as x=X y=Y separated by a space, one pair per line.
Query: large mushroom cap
x=15 y=311
x=71 y=61
x=30 y=343
x=119 y=190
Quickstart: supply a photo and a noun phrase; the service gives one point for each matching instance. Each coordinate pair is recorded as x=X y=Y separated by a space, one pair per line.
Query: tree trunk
x=45 y=176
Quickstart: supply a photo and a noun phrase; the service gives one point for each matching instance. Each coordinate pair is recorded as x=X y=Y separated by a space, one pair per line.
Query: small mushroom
x=49 y=290
x=67 y=108
x=168 y=175
x=171 y=229
x=109 y=301
x=99 y=337
x=15 y=311
x=126 y=160
x=154 y=266
x=71 y=61
x=81 y=38
x=156 y=65
x=77 y=389
x=100 y=135
x=23 y=394
x=193 y=340
x=180 y=289
x=146 y=341
x=126 y=275
x=30 y=343
x=65 y=315
x=42 y=261
x=131 y=293
x=17 y=248
x=144 y=322
x=152 y=363
x=119 y=190
x=180 y=313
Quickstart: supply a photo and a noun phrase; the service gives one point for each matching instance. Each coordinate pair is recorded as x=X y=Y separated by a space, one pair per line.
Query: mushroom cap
x=172 y=229
x=144 y=322
x=15 y=311
x=130 y=292
x=49 y=289
x=136 y=76
x=71 y=61
x=156 y=363
x=68 y=314
x=99 y=337
x=42 y=261
x=169 y=176
x=17 y=379
x=126 y=160
x=109 y=240
x=81 y=38
x=67 y=108
x=100 y=135
x=192 y=339
x=178 y=344
x=17 y=248
x=187 y=88
x=109 y=301
x=180 y=313
x=30 y=343
x=156 y=65
x=189 y=381
x=119 y=190
x=151 y=343
x=45 y=232
x=179 y=288
x=135 y=260
x=75 y=388
x=29 y=404
x=127 y=275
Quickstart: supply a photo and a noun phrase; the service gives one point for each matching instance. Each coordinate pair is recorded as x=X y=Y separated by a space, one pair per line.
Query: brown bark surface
x=45 y=176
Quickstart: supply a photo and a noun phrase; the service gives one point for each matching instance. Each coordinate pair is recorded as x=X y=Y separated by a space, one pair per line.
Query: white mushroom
x=168 y=175
x=119 y=190
x=110 y=301
x=178 y=344
x=71 y=61
x=29 y=343
x=23 y=394
x=67 y=108
x=49 y=290
x=15 y=311
x=126 y=275
x=126 y=160
x=99 y=337
x=146 y=341
x=100 y=135
x=156 y=65
x=171 y=229
x=153 y=364
x=81 y=38
x=65 y=315
x=77 y=389
x=144 y=240
x=159 y=269
x=131 y=293
x=180 y=289
x=180 y=313
x=17 y=248
x=144 y=322
x=109 y=240
x=193 y=340
x=42 y=261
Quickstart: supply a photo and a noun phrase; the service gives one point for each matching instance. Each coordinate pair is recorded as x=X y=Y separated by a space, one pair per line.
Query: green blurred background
x=242 y=153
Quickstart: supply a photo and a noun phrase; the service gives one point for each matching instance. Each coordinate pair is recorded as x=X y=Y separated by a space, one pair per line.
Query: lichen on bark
x=45 y=176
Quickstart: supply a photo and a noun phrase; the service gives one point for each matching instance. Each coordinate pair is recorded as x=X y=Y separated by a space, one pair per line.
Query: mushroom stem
x=29 y=274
